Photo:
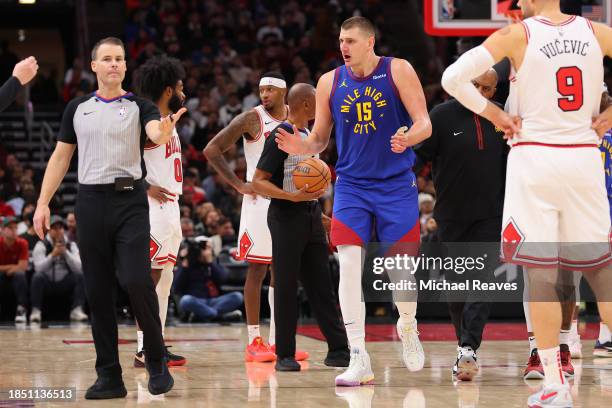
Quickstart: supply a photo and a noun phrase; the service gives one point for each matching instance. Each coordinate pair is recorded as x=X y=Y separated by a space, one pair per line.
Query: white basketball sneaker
x=466 y=366
x=412 y=353
x=575 y=346
x=359 y=371
x=554 y=395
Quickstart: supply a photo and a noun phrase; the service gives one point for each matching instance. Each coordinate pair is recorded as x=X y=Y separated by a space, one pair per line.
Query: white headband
x=277 y=82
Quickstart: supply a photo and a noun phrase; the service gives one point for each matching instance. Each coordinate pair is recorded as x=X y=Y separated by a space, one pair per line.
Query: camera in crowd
x=196 y=250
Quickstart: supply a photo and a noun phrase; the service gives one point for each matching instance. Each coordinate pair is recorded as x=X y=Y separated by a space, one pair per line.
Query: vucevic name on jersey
x=557 y=88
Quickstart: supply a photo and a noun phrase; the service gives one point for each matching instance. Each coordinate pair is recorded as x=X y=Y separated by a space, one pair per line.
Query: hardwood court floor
x=217 y=376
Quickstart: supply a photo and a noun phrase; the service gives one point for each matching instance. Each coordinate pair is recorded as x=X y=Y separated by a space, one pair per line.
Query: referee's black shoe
x=160 y=380
x=338 y=358
x=287 y=364
x=106 y=388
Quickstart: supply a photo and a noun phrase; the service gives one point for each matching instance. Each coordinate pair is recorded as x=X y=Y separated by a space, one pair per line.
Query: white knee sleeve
x=163 y=291
x=350 y=293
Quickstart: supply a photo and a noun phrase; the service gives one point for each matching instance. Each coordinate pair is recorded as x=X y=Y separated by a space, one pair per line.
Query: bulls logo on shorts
x=512 y=239
x=245 y=245
x=153 y=248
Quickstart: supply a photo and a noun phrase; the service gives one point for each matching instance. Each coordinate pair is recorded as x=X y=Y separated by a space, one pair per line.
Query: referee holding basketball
x=109 y=127
x=299 y=241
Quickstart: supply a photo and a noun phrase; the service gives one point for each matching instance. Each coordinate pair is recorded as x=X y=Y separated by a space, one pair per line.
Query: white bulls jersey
x=164 y=164
x=253 y=148
x=558 y=86
x=254 y=240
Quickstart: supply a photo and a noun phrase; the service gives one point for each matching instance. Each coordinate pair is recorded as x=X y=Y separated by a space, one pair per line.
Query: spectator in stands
x=187 y=227
x=197 y=283
x=270 y=30
x=71 y=227
x=77 y=81
x=57 y=269
x=28 y=234
x=13 y=265
x=5 y=209
x=431 y=231
x=230 y=110
x=426 y=205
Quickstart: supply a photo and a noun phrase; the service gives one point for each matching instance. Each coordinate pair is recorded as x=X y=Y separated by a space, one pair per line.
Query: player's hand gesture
x=247 y=189
x=303 y=195
x=399 y=141
x=166 y=125
x=510 y=125
x=42 y=219
x=291 y=143
x=25 y=70
x=602 y=122
x=160 y=194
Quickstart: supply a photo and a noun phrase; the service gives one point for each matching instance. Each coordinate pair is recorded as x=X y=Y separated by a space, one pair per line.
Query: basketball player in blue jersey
x=379 y=111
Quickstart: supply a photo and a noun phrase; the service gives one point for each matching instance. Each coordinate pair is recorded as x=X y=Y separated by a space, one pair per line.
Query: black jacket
x=8 y=92
x=469 y=164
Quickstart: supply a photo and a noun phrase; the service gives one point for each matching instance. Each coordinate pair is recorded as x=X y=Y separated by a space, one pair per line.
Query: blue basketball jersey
x=606 y=155
x=367 y=112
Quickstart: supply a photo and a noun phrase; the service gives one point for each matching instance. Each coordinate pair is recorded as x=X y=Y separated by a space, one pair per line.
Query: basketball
x=313 y=172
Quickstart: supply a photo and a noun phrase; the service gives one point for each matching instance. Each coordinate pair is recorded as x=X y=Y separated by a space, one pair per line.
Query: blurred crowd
x=224 y=47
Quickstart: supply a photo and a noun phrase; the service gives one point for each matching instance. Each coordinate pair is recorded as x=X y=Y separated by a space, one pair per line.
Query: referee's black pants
x=114 y=235
x=470 y=318
x=300 y=251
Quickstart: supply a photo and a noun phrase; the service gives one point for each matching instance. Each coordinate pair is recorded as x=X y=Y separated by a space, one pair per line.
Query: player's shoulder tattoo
x=246 y=123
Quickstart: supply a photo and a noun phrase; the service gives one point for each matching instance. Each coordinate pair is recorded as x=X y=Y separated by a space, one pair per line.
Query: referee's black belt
x=138 y=185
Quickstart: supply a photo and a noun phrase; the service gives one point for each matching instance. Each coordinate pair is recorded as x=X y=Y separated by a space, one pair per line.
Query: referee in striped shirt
x=299 y=242
x=109 y=128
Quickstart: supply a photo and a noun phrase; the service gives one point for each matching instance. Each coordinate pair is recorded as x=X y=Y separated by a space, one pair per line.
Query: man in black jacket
x=23 y=73
x=468 y=155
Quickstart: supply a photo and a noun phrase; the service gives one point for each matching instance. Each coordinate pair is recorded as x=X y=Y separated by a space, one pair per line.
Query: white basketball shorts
x=254 y=239
x=556 y=210
x=166 y=234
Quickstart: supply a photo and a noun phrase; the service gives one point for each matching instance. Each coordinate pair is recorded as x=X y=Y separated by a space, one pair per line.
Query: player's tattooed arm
x=245 y=123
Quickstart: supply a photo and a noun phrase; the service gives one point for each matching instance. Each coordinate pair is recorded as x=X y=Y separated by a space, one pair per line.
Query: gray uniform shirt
x=109 y=134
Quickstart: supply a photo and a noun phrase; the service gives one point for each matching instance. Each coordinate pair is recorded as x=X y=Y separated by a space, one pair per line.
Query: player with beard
x=161 y=80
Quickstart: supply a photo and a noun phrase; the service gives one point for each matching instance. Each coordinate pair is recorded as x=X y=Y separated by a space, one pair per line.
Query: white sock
x=604 y=333
x=163 y=292
x=532 y=344
x=407 y=312
x=140 y=339
x=574 y=328
x=551 y=361
x=564 y=337
x=253 y=330
x=349 y=292
x=272 y=335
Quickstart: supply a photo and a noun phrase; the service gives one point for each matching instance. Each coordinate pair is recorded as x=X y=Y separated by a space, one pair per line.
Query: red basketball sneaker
x=258 y=351
x=534 y=369
x=300 y=355
x=566 y=363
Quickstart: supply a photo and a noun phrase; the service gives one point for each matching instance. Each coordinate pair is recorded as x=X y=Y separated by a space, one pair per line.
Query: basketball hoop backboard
x=465 y=18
